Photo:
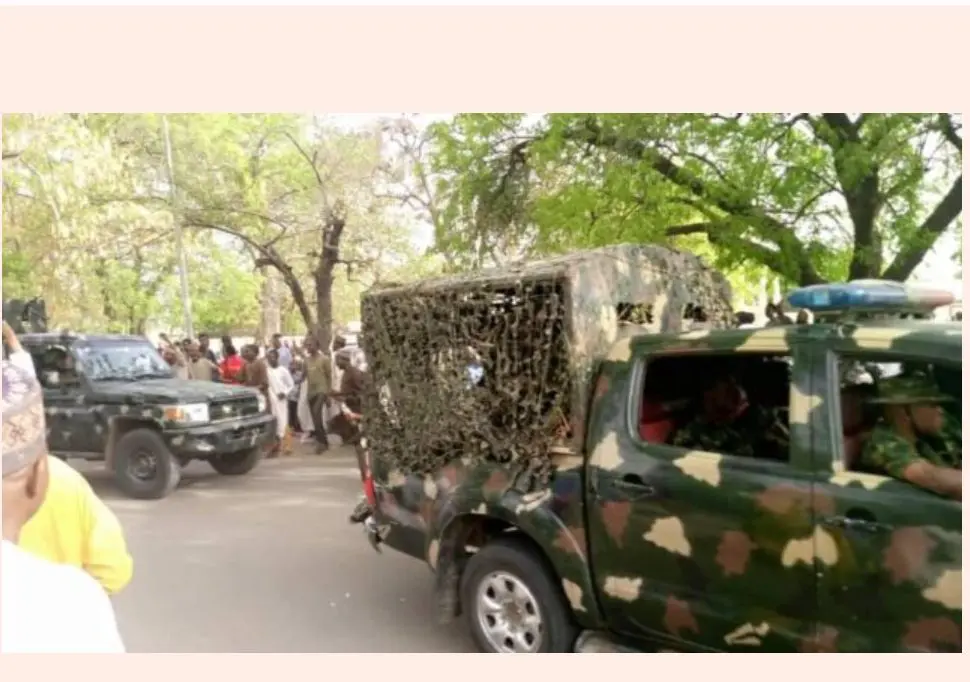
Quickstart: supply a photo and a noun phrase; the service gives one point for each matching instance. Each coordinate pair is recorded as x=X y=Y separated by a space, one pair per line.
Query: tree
x=811 y=197
x=102 y=264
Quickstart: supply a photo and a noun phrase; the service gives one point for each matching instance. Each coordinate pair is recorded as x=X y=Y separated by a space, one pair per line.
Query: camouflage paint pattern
x=726 y=553
x=81 y=419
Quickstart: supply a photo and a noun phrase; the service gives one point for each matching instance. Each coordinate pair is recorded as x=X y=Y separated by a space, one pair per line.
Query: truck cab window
x=732 y=405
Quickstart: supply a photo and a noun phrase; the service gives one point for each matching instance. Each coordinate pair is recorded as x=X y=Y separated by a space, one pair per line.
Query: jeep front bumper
x=201 y=442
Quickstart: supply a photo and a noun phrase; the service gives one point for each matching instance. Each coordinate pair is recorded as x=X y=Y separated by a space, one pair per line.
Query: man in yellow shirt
x=73 y=526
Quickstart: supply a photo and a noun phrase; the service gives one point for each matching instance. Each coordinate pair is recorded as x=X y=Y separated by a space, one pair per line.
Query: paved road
x=268 y=563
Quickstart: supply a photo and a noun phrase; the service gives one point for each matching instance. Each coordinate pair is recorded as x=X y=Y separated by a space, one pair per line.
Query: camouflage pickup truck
x=113 y=398
x=533 y=435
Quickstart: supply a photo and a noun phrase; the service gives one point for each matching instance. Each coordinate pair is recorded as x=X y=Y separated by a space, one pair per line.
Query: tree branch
x=935 y=224
x=770 y=228
x=950 y=132
x=268 y=256
x=312 y=160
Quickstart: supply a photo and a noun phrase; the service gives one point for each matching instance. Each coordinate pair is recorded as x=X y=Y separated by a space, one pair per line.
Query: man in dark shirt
x=255 y=373
x=351 y=393
x=206 y=350
x=319 y=382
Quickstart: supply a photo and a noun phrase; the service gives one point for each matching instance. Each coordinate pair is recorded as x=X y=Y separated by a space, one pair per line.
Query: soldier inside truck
x=676 y=396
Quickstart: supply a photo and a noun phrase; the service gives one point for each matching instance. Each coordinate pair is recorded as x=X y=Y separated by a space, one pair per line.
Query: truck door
x=890 y=573
x=703 y=550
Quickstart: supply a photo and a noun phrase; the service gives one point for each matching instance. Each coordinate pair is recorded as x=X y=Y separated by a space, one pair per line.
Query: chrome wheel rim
x=508 y=614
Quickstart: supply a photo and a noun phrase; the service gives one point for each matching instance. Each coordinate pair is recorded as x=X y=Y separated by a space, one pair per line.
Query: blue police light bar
x=869 y=295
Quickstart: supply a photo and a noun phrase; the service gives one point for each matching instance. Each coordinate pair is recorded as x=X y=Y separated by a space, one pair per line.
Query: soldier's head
x=912 y=402
x=312 y=345
x=723 y=397
x=24 y=454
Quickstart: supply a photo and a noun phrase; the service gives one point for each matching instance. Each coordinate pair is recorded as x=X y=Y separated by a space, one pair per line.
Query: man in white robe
x=280 y=385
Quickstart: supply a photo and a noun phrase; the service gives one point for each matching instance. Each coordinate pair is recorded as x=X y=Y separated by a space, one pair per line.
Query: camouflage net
x=537 y=330
x=426 y=409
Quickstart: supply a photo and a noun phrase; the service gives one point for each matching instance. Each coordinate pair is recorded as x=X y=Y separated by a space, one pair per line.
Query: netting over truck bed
x=497 y=364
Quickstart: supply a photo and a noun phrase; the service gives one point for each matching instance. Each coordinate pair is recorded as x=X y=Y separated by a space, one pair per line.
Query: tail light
x=369 y=490
x=367 y=477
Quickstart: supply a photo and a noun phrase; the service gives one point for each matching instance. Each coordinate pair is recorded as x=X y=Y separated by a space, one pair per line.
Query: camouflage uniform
x=888 y=452
x=747 y=436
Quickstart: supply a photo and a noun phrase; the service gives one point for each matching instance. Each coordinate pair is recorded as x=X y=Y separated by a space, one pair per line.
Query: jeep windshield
x=122 y=361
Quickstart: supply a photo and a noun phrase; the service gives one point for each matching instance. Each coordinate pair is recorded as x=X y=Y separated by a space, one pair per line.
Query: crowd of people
x=64 y=550
x=312 y=394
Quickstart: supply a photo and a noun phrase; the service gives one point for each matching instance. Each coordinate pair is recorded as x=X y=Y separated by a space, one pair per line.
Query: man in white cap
x=44 y=607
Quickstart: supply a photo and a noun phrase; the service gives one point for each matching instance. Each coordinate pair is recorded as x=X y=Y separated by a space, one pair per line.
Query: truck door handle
x=860 y=523
x=633 y=487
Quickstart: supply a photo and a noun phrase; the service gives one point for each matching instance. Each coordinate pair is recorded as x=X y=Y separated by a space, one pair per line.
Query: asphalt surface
x=268 y=562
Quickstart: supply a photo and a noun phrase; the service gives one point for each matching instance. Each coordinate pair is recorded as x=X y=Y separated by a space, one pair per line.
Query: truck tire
x=535 y=617
x=144 y=468
x=236 y=463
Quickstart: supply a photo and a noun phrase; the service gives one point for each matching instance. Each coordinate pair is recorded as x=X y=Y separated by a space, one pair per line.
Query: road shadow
x=201 y=474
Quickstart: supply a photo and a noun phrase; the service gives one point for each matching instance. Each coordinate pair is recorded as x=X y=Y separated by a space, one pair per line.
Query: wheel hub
x=142 y=465
x=509 y=614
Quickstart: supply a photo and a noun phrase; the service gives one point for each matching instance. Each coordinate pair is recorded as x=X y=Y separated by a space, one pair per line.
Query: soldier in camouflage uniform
x=916 y=440
x=729 y=425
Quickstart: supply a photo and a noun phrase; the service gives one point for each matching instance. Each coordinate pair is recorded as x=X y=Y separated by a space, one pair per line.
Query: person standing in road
x=255 y=373
x=280 y=385
x=206 y=350
x=319 y=383
x=232 y=364
x=200 y=367
x=44 y=607
x=293 y=399
x=285 y=355
x=175 y=357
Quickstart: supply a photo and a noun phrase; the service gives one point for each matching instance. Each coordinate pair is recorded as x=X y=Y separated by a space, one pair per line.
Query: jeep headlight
x=190 y=413
x=261 y=401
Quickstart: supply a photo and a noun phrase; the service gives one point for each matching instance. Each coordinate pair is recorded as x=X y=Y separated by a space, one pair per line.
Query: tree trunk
x=323 y=276
x=269 y=318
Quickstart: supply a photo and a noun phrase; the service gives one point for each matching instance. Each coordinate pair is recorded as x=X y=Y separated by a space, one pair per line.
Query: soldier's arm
x=944 y=481
x=900 y=460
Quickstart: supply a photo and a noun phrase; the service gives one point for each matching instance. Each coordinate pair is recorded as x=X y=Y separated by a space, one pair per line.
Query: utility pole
x=177 y=218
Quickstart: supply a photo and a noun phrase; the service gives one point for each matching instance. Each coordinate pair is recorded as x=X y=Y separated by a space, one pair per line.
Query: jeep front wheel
x=513 y=603
x=144 y=468
x=236 y=463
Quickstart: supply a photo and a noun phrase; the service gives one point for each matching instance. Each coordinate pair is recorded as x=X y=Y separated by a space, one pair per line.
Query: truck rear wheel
x=513 y=603
x=144 y=468
x=236 y=463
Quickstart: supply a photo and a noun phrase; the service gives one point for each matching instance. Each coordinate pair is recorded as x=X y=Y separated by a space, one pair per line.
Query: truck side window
x=733 y=404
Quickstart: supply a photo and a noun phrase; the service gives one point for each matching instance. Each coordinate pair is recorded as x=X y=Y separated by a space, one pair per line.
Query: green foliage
x=809 y=197
x=252 y=190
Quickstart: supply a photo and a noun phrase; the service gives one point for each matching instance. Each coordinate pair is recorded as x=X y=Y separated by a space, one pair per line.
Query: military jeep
x=546 y=493
x=113 y=398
